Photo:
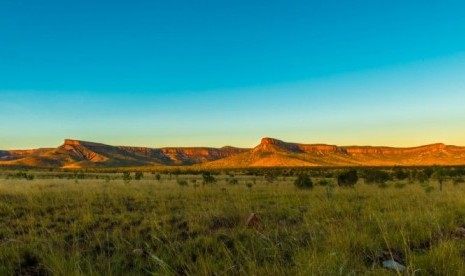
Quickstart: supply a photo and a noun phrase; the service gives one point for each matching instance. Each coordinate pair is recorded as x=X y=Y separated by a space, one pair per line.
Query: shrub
x=376 y=176
x=138 y=176
x=439 y=174
x=270 y=177
x=303 y=181
x=127 y=177
x=422 y=177
x=347 y=179
x=182 y=182
x=400 y=174
x=428 y=171
x=208 y=178
x=457 y=172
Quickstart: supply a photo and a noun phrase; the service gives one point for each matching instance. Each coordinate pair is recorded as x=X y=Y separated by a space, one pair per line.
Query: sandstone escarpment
x=270 y=152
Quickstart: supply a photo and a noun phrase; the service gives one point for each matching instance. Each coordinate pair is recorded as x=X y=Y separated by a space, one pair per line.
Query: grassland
x=96 y=224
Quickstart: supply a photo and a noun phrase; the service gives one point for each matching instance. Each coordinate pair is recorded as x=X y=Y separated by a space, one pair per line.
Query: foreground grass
x=95 y=227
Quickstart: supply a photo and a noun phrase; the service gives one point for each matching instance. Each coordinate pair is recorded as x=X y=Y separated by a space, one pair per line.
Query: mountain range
x=269 y=153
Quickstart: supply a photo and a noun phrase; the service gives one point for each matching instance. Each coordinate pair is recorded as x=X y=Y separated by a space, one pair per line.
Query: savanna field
x=194 y=223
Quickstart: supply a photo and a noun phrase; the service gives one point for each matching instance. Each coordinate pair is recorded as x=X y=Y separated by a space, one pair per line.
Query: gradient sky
x=211 y=73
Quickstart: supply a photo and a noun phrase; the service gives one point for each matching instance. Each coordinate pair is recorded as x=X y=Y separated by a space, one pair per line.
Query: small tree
x=428 y=171
x=127 y=177
x=303 y=181
x=421 y=176
x=400 y=174
x=138 y=176
x=208 y=178
x=439 y=175
x=376 y=176
x=347 y=179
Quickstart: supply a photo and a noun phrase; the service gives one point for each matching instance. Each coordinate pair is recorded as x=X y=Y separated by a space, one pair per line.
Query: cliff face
x=271 y=144
x=81 y=150
x=273 y=152
x=75 y=154
x=395 y=151
x=270 y=152
x=183 y=156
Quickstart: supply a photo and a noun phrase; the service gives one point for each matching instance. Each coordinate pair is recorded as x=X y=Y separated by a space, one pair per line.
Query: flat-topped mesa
x=270 y=152
x=203 y=151
x=322 y=148
x=395 y=151
x=73 y=142
x=269 y=143
x=273 y=141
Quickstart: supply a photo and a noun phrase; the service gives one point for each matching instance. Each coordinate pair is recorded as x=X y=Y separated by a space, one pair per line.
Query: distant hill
x=272 y=153
x=81 y=154
x=269 y=153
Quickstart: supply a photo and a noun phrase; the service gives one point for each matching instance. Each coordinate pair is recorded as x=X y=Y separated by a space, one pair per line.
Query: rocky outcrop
x=271 y=144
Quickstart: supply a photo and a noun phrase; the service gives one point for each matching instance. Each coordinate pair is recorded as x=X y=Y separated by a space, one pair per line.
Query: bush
x=421 y=176
x=400 y=174
x=270 y=177
x=138 y=176
x=127 y=177
x=457 y=172
x=347 y=179
x=428 y=171
x=303 y=181
x=182 y=182
x=376 y=176
x=208 y=178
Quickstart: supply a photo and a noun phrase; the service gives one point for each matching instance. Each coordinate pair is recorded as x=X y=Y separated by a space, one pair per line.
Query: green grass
x=101 y=226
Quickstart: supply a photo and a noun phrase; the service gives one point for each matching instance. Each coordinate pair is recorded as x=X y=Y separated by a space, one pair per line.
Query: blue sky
x=183 y=73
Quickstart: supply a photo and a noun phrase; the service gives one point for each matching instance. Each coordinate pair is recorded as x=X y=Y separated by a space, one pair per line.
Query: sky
x=215 y=73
